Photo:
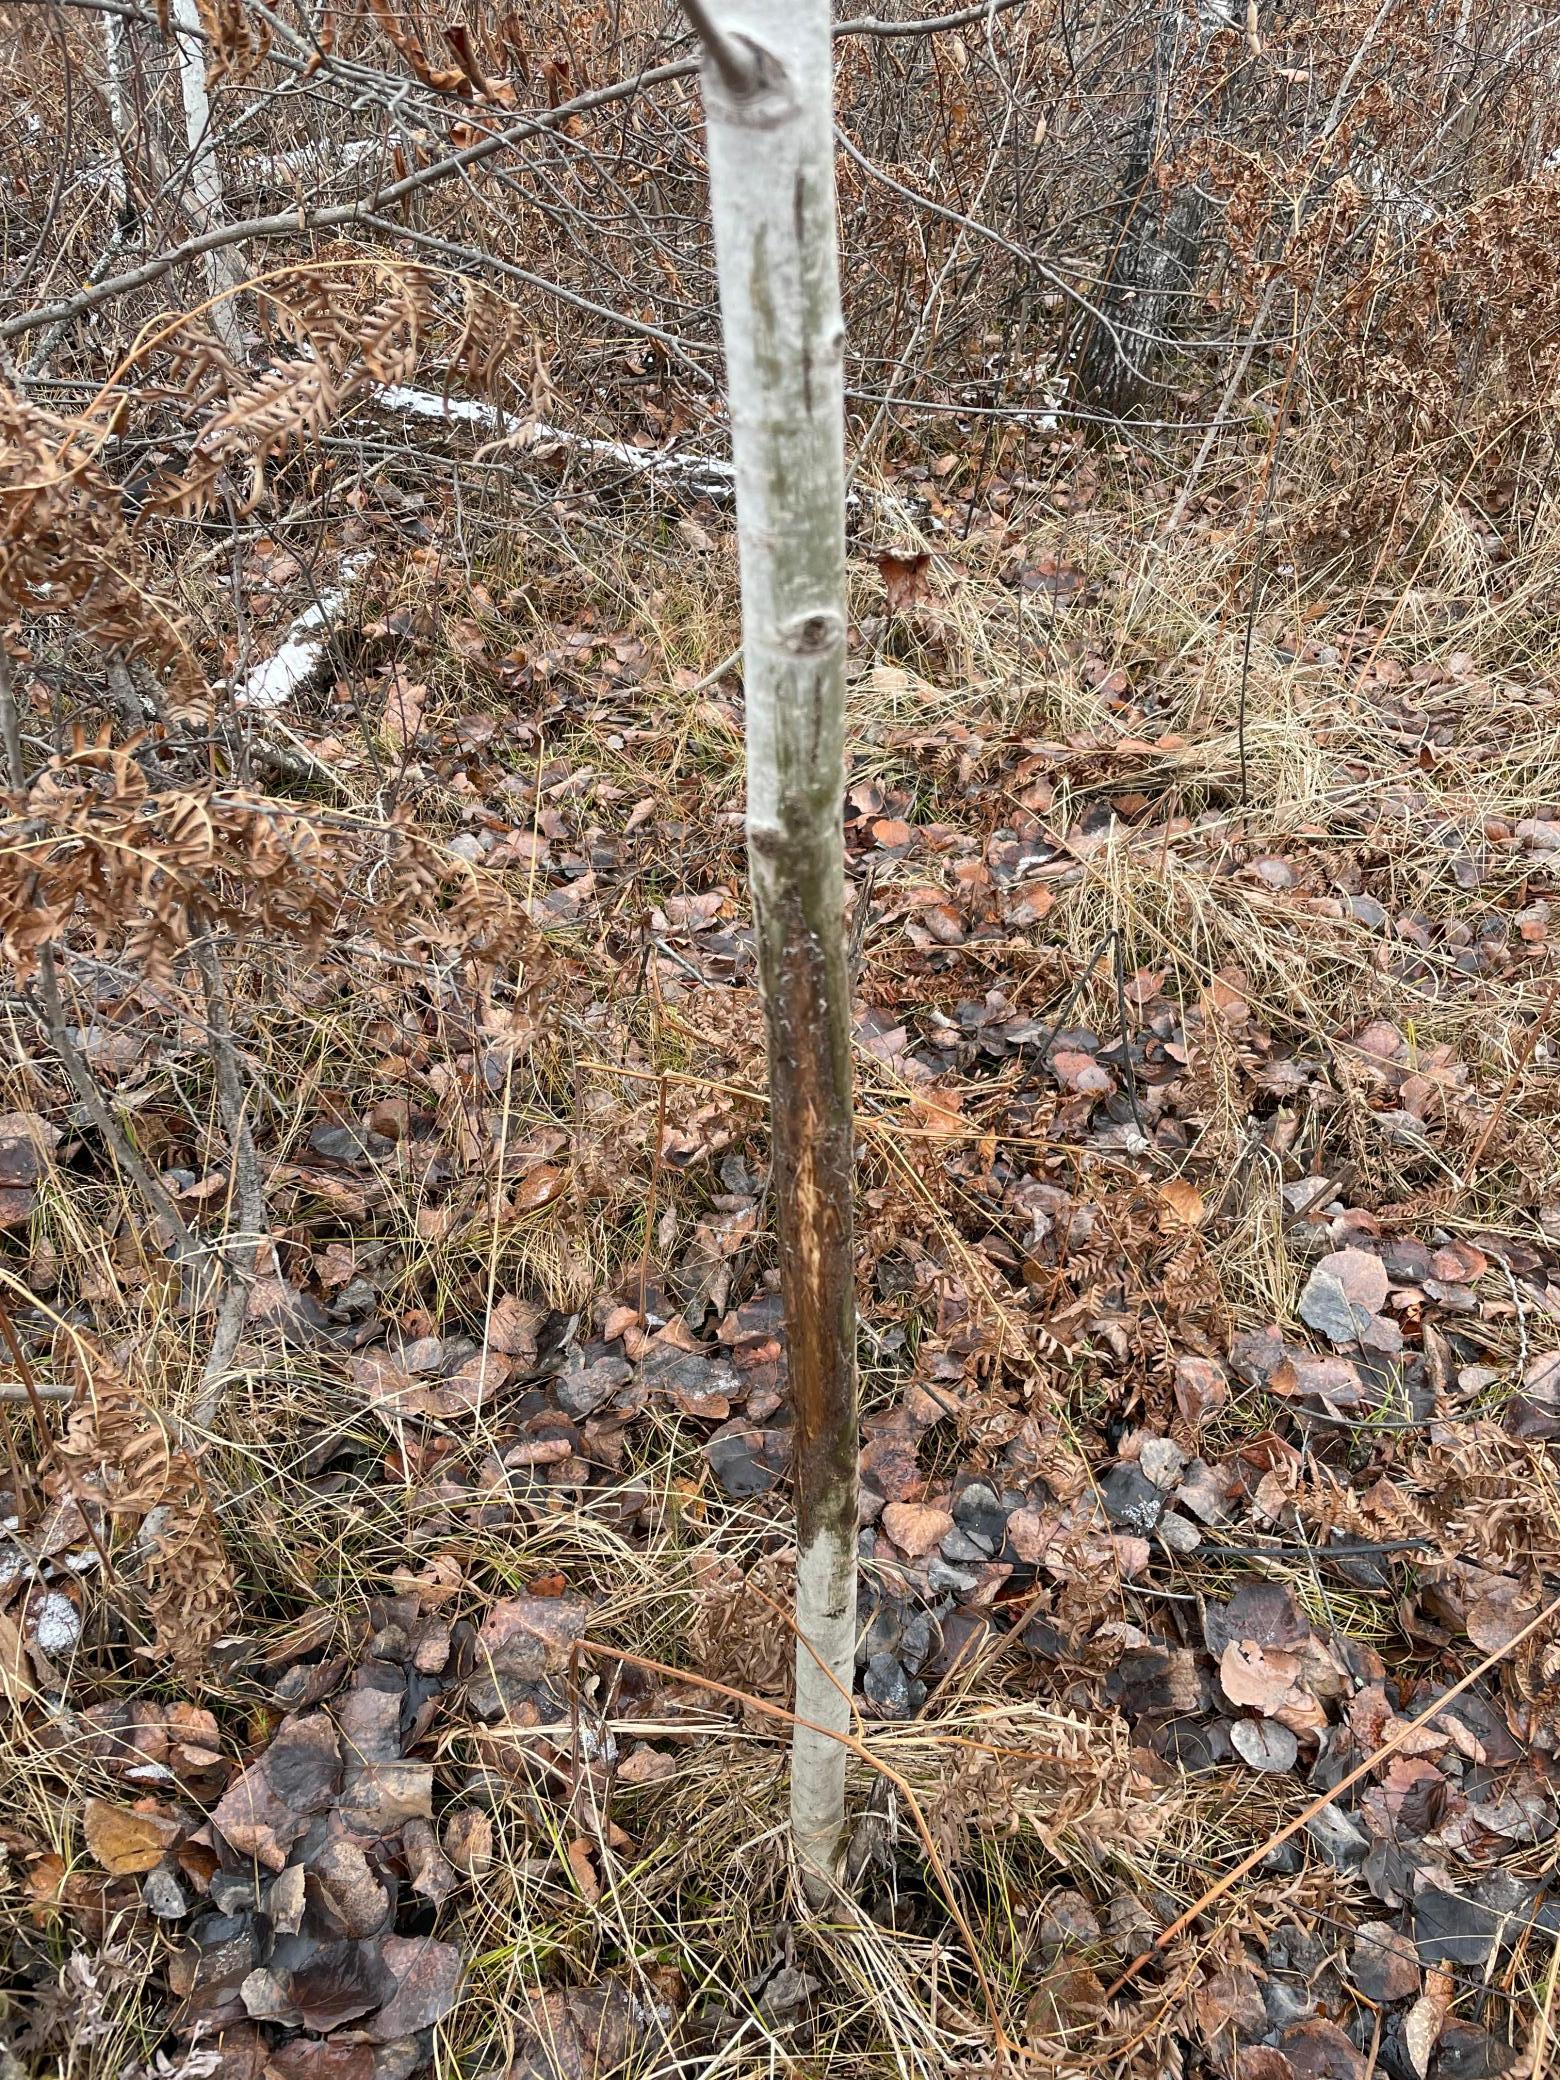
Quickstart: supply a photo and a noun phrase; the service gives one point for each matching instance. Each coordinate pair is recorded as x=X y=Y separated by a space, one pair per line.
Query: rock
x=950 y=1581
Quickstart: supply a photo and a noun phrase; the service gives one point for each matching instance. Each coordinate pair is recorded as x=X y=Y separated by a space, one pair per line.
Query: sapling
x=767 y=80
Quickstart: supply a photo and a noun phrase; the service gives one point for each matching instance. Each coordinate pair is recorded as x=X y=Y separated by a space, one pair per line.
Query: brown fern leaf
x=235 y=41
x=120 y=1454
x=65 y=549
x=489 y=334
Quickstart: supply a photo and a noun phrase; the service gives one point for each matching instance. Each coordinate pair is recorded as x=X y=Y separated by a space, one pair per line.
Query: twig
x=243 y=1253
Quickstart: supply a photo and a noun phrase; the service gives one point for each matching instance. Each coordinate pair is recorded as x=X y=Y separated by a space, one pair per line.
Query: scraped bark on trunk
x=767 y=78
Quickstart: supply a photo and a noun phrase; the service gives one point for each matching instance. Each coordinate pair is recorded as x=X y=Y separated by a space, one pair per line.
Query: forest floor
x=1209 y=1282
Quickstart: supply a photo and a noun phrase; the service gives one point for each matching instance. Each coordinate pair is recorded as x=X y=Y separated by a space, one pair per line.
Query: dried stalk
x=243 y=1253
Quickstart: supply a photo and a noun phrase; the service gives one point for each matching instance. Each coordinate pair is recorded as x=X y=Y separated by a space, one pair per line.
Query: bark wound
x=809 y=1085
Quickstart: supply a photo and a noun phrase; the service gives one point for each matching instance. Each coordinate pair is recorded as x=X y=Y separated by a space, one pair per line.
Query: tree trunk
x=224 y=267
x=769 y=111
x=1152 y=267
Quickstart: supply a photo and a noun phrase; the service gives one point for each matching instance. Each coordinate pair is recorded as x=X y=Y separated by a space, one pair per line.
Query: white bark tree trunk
x=224 y=267
x=768 y=96
x=114 y=72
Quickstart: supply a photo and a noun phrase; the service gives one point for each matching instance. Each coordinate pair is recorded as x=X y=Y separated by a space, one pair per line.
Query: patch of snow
x=272 y=684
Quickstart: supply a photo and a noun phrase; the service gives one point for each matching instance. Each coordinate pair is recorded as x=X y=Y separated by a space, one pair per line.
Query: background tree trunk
x=768 y=102
x=1152 y=266
x=205 y=203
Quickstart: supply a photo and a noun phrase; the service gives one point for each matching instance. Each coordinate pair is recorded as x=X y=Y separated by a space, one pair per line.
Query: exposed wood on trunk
x=768 y=102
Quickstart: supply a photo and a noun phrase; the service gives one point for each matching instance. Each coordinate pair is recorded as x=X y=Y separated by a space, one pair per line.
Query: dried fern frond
x=66 y=551
x=123 y=1459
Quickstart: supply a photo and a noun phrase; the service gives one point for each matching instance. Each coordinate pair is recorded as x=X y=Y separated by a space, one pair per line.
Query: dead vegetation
x=395 y=1577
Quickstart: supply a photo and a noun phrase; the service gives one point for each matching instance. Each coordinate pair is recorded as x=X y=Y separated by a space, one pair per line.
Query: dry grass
x=1023 y=1795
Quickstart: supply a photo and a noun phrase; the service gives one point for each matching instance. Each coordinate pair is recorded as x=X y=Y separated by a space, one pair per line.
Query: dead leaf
x=1422 y=2027
x=27 y=1145
x=317 y=2058
x=1200 y=1389
x=647 y=1766
x=1262 y=1677
x=427 y=1983
x=525 y=1640
x=1183 y=1202
x=403 y=718
x=584 y=1871
x=128 y=1840
x=904 y=579
x=539 y=1187
x=1344 y=1292
x=512 y=1326
x=16 y=1677
x=1384 y=1964
x=1319 y=2050
x=468 y=1840
x=1265 y=1744
x=347 y=1891
x=265 y=1811
x=430 y=1874
x=915 y=1527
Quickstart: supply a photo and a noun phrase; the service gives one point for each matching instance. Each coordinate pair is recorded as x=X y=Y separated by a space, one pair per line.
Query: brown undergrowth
x=372 y=1693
